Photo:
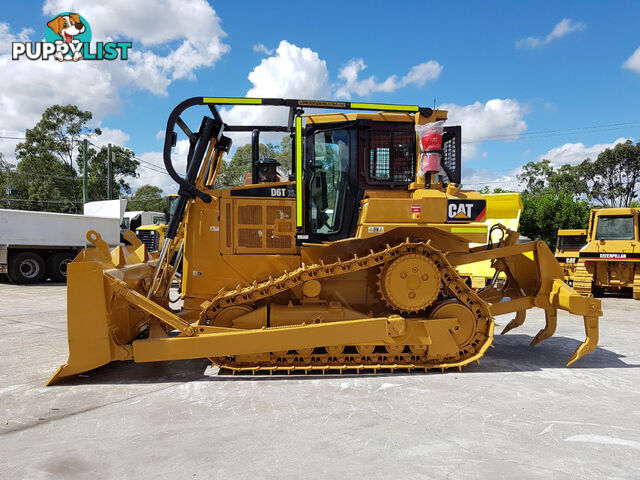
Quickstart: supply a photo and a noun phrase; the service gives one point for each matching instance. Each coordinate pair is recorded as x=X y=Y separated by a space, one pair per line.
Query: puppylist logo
x=68 y=37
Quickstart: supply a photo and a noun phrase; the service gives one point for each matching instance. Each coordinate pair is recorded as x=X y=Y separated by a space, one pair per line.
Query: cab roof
x=320 y=118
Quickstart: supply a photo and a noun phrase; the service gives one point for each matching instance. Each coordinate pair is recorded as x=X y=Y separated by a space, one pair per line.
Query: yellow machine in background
x=502 y=209
x=348 y=266
x=568 y=245
x=611 y=259
x=153 y=235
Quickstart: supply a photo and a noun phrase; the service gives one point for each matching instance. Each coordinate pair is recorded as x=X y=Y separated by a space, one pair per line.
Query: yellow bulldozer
x=152 y=235
x=348 y=266
x=569 y=241
x=610 y=261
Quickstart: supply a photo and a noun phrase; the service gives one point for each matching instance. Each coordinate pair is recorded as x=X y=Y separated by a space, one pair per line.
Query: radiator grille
x=260 y=226
x=278 y=241
x=278 y=213
x=250 y=215
x=149 y=238
x=250 y=237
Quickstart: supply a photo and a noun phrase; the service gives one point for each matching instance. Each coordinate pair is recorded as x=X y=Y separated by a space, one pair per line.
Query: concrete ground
x=519 y=414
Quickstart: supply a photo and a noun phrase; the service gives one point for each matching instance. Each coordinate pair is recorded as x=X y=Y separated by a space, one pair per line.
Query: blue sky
x=527 y=80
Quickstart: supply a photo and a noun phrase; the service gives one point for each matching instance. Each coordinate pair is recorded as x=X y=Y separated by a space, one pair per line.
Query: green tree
x=124 y=165
x=613 y=178
x=569 y=179
x=147 y=197
x=44 y=183
x=59 y=131
x=535 y=176
x=5 y=181
x=45 y=176
x=546 y=212
x=284 y=155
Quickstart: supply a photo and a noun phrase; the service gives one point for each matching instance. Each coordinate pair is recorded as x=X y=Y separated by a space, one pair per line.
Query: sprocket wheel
x=410 y=283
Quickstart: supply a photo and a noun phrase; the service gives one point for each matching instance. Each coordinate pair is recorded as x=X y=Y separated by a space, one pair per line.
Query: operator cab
x=365 y=152
x=336 y=159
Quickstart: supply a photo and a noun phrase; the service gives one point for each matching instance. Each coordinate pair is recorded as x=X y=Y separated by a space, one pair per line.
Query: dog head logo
x=69 y=28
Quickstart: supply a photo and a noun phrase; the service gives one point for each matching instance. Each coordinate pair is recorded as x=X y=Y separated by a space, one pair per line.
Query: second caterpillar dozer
x=348 y=265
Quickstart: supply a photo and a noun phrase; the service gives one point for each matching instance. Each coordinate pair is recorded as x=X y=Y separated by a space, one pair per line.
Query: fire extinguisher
x=430 y=146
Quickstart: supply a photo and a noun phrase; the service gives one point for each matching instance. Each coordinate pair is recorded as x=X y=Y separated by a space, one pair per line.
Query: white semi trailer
x=35 y=246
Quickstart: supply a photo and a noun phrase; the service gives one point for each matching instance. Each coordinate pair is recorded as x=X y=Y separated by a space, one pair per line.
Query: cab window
x=615 y=228
x=571 y=242
x=328 y=185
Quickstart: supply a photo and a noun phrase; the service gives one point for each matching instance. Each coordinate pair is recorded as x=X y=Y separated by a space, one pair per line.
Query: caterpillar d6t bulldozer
x=611 y=259
x=349 y=265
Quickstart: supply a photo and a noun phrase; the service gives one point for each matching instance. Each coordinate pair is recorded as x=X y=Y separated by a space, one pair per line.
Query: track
x=582 y=279
x=356 y=358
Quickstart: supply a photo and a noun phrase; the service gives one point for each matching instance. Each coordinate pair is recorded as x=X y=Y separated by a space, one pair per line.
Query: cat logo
x=460 y=211
x=464 y=210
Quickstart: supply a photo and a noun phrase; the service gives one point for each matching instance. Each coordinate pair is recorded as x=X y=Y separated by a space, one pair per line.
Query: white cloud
x=6 y=37
x=261 y=48
x=497 y=119
x=476 y=179
x=113 y=136
x=633 y=62
x=152 y=171
x=562 y=28
x=417 y=75
x=189 y=29
x=151 y=22
x=292 y=72
x=574 y=153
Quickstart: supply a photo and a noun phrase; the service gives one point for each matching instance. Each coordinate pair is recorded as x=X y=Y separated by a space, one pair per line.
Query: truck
x=568 y=245
x=134 y=219
x=35 y=246
x=152 y=234
x=610 y=262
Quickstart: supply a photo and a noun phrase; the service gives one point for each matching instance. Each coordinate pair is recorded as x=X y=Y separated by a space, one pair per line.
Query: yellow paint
x=298 y=171
x=233 y=101
x=468 y=230
x=387 y=107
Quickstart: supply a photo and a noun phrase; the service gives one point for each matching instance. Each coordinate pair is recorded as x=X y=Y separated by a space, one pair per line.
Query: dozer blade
x=99 y=324
x=88 y=329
